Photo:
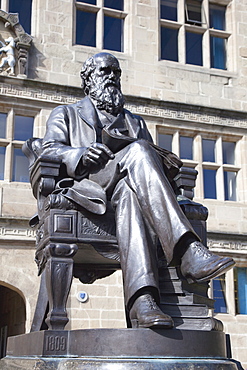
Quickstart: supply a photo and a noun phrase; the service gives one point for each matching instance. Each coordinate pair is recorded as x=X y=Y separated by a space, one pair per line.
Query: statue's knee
x=141 y=146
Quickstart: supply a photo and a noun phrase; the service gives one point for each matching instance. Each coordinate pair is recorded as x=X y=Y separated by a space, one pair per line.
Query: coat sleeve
x=56 y=143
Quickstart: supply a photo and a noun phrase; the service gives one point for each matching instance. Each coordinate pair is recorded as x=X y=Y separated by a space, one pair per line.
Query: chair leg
x=41 y=307
x=59 y=274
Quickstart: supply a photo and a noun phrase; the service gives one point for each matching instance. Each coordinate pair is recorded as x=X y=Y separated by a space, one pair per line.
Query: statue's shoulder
x=135 y=117
x=65 y=108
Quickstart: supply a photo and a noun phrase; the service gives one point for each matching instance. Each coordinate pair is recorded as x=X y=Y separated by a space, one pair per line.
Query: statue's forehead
x=107 y=61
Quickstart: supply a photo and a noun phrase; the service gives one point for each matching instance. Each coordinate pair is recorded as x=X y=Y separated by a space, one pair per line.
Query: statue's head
x=99 y=68
x=10 y=41
x=100 y=76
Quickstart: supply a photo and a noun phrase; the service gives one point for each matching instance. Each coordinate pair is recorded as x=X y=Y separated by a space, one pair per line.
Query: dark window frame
x=101 y=41
x=203 y=164
x=215 y=58
x=12 y=143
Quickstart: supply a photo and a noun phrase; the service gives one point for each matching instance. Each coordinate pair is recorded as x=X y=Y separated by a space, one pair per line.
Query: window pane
x=20 y=166
x=230 y=185
x=113 y=31
x=208 y=150
x=2 y=162
x=168 y=9
x=193 y=48
x=85 y=28
x=209 y=183
x=193 y=12
x=240 y=274
x=186 y=147
x=217 y=17
x=169 y=44
x=165 y=141
x=219 y=294
x=24 y=8
x=114 y=4
x=3 y=118
x=23 y=128
x=228 y=152
x=93 y=2
x=218 y=52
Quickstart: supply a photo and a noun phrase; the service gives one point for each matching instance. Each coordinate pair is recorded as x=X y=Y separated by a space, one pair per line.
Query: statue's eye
x=106 y=70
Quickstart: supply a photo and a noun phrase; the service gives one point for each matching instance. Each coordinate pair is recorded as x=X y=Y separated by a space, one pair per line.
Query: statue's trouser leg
x=153 y=205
x=137 y=247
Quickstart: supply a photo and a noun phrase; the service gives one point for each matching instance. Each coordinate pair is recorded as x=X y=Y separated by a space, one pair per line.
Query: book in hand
x=115 y=140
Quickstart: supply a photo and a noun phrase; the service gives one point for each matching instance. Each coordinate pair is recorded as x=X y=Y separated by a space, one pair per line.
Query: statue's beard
x=109 y=98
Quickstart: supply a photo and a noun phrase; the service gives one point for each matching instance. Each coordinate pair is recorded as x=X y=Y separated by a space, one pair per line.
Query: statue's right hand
x=96 y=155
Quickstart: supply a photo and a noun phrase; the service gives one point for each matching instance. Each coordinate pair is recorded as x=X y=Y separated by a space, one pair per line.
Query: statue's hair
x=88 y=67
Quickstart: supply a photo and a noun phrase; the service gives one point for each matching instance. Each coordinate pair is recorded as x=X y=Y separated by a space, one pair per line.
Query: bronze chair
x=74 y=242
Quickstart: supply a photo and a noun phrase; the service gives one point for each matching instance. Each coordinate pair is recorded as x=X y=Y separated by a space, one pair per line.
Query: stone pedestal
x=122 y=349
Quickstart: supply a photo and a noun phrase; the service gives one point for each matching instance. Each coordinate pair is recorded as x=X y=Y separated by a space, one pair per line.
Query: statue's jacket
x=71 y=129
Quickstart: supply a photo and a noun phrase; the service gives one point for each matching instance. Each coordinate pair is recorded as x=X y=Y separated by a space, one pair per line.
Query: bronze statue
x=109 y=155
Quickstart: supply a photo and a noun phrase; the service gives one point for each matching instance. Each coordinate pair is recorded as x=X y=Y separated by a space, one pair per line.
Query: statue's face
x=107 y=72
x=103 y=84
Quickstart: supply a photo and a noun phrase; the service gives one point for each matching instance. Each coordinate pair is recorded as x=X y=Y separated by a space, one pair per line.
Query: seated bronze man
x=109 y=153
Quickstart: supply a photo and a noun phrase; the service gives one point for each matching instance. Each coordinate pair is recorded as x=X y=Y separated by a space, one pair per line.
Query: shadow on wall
x=12 y=316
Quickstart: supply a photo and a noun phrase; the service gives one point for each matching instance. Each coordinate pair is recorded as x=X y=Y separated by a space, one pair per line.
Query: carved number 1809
x=55 y=343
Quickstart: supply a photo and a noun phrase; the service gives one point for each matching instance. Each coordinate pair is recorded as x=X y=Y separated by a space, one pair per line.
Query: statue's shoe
x=199 y=264
x=145 y=313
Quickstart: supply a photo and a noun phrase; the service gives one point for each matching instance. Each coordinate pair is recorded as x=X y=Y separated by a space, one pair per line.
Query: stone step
x=179 y=287
x=205 y=324
x=180 y=310
x=188 y=299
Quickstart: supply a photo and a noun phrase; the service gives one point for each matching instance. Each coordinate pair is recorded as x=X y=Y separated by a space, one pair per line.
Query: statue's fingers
x=98 y=152
x=94 y=157
x=105 y=149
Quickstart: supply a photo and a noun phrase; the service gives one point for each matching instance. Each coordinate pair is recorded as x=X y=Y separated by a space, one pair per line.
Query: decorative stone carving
x=8 y=61
x=19 y=40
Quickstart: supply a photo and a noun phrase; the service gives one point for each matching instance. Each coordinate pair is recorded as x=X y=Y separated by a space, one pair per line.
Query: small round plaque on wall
x=82 y=296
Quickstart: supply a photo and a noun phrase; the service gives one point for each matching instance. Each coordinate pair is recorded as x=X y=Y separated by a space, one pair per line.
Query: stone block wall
x=56 y=58
x=169 y=96
x=104 y=307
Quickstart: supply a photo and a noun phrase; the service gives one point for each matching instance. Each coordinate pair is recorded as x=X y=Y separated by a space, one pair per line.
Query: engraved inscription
x=55 y=343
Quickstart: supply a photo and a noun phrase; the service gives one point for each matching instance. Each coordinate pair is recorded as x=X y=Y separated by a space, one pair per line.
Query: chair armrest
x=185 y=182
x=43 y=175
x=43 y=170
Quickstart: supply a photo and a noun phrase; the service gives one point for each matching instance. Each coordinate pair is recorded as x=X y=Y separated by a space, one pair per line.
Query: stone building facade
x=184 y=66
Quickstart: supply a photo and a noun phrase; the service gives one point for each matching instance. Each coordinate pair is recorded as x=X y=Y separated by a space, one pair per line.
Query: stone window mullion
x=206 y=49
x=181 y=33
x=8 y=162
x=9 y=147
x=175 y=143
x=198 y=158
x=5 y=5
x=100 y=28
x=230 y=294
x=220 y=173
x=181 y=45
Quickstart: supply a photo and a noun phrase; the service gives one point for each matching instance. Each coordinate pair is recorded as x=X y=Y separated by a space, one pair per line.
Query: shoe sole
x=221 y=270
x=158 y=324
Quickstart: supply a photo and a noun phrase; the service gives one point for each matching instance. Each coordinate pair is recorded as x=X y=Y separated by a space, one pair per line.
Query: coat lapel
x=87 y=112
x=132 y=124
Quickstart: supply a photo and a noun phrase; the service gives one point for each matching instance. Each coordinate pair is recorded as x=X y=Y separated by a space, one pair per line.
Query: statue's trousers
x=145 y=205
